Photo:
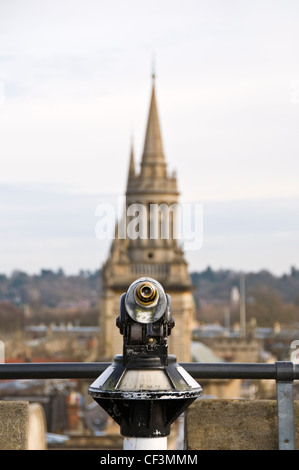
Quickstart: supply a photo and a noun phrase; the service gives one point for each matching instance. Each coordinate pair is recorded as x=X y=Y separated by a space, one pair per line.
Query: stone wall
x=22 y=426
x=234 y=425
x=14 y=424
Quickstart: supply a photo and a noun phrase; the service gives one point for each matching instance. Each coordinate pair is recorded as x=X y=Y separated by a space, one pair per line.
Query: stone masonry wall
x=234 y=425
x=14 y=422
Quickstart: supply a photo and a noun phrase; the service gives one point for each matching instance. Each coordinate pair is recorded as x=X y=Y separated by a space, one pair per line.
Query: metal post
x=285 y=411
x=242 y=306
x=145 y=443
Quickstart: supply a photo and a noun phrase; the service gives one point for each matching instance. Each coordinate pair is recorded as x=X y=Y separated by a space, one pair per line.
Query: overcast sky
x=75 y=80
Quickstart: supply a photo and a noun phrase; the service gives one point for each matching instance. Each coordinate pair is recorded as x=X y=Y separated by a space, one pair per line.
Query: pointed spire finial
x=154 y=69
x=132 y=161
x=132 y=171
x=153 y=148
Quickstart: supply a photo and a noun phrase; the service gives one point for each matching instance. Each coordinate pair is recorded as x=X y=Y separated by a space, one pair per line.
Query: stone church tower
x=155 y=255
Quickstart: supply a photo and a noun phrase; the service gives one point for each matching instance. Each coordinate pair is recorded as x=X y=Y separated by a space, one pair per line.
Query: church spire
x=153 y=148
x=132 y=171
x=132 y=160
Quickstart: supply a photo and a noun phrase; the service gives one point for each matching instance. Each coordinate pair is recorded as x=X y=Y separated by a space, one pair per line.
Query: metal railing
x=283 y=372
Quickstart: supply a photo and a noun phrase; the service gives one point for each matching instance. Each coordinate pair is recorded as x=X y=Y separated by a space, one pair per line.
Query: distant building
x=215 y=388
x=160 y=258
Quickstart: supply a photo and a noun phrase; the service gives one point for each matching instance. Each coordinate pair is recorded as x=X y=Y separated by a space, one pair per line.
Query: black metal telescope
x=145 y=389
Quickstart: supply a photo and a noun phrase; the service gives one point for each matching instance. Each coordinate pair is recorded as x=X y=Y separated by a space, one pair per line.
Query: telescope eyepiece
x=145 y=300
x=146 y=293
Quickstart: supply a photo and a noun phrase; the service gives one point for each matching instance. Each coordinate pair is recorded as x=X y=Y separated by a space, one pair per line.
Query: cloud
x=75 y=85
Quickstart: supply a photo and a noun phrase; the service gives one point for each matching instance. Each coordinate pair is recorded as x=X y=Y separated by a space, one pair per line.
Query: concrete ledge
x=14 y=422
x=22 y=426
x=234 y=425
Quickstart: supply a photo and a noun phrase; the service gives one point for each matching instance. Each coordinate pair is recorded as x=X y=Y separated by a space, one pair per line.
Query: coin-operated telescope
x=145 y=389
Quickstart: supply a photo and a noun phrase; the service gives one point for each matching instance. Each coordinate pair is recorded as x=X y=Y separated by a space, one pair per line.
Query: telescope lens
x=146 y=293
x=145 y=300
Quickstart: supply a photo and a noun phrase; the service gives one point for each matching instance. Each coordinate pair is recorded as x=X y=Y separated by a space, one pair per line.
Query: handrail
x=198 y=370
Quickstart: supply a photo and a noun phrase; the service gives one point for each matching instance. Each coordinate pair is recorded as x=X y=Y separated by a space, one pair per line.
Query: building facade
x=147 y=245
